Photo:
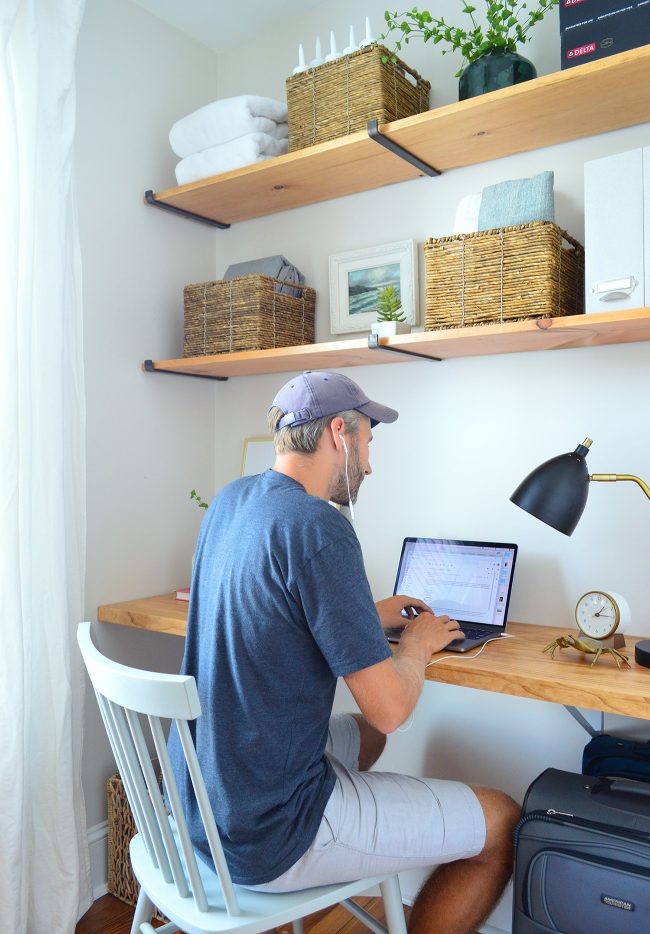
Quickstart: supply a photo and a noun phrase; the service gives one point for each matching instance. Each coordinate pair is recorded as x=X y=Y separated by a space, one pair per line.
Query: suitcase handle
x=623 y=795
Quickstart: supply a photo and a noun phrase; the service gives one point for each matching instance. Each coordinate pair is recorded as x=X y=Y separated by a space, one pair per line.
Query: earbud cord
x=347 y=480
x=506 y=635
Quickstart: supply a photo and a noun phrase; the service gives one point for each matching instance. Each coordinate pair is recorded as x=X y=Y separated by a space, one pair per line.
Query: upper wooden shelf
x=583 y=101
x=613 y=327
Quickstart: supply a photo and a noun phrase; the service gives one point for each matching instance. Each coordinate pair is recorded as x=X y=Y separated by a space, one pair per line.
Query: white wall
x=149 y=437
x=469 y=430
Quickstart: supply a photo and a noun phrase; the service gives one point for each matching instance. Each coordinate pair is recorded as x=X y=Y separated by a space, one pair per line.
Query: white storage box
x=617 y=231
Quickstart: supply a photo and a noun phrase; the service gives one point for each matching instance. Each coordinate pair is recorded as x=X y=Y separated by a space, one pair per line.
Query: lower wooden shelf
x=592 y=330
x=513 y=666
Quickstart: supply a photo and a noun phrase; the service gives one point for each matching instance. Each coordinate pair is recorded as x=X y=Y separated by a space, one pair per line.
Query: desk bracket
x=150 y=368
x=373 y=344
x=375 y=134
x=151 y=199
x=584 y=723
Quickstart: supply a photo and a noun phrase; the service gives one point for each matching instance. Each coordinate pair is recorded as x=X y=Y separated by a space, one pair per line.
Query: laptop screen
x=468 y=581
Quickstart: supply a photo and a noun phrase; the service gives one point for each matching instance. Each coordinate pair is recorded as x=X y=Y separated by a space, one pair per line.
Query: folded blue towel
x=520 y=201
x=276 y=266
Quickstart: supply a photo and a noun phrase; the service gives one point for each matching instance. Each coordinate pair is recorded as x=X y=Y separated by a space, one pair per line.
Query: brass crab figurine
x=588 y=646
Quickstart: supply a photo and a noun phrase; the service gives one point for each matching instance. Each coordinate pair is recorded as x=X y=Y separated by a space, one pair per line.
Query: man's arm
x=387 y=692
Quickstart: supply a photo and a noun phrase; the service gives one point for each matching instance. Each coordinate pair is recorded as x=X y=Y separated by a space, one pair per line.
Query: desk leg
x=584 y=723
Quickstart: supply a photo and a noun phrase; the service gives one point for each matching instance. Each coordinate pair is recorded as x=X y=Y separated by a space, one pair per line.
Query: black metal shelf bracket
x=151 y=199
x=150 y=368
x=374 y=133
x=373 y=344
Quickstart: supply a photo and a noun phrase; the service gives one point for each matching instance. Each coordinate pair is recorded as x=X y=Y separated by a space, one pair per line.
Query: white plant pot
x=390 y=328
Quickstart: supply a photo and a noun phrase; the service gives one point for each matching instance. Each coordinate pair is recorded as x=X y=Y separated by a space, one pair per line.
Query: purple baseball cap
x=316 y=393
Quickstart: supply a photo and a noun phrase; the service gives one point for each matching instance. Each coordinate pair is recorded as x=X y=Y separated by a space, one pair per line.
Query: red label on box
x=581 y=50
x=572 y=2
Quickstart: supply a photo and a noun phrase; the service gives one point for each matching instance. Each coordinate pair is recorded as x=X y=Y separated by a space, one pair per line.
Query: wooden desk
x=513 y=666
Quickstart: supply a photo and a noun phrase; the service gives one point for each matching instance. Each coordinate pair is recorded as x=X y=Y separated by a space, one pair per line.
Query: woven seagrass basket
x=246 y=313
x=121 y=830
x=340 y=97
x=527 y=271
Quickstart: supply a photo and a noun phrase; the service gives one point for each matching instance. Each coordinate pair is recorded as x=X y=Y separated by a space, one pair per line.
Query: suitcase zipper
x=552 y=816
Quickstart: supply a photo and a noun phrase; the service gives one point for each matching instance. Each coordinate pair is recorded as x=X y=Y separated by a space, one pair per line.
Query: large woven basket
x=246 y=313
x=121 y=830
x=340 y=97
x=528 y=271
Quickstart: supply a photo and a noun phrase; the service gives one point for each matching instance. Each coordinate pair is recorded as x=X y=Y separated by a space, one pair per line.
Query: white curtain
x=44 y=866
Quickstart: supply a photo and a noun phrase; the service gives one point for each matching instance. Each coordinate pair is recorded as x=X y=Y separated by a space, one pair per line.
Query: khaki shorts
x=382 y=822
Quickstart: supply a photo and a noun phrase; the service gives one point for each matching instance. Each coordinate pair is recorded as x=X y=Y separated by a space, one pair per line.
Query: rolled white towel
x=226 y=119
x=245 y=150
x=466 y=220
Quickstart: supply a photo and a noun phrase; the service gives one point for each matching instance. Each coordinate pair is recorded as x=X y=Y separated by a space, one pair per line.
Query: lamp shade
x=556 y=491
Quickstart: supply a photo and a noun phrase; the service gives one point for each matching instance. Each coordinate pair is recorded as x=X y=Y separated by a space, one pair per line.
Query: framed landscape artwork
x=357 y=276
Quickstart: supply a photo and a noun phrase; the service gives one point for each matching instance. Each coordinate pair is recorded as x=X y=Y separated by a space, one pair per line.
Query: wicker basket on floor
x=121 y=830
x=246 y=313
x=528 y=271
x=340 y=97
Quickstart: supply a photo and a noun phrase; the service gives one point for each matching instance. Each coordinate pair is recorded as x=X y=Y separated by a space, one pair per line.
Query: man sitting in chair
x=280 y=608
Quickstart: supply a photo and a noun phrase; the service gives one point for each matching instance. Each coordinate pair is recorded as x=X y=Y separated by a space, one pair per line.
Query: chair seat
x=260 y=911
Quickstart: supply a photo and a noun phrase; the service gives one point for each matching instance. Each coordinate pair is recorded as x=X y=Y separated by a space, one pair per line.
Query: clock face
x=597 y=614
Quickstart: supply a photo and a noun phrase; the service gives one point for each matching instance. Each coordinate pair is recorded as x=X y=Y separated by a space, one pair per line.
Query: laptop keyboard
x=479 y=633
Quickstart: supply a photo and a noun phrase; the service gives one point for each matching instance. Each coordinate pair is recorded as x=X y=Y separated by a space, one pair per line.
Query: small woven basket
x=246 y=313
x=121 y=830
x=340 y=97
x=506 y=274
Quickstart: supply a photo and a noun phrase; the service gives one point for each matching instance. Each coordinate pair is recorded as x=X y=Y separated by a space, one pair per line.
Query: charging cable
x=506 y=635
x=469 y=658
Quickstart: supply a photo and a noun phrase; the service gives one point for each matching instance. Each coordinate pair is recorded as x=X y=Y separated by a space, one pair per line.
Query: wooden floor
x=109 y=915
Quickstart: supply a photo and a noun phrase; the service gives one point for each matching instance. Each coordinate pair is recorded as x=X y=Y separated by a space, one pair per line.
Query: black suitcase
x=582 y=856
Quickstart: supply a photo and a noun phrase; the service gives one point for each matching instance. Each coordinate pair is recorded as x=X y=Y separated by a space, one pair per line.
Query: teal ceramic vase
x=492 y=71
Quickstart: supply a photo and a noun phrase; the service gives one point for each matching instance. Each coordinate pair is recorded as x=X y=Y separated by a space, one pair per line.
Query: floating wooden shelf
x=613 y=327
x=596 y=97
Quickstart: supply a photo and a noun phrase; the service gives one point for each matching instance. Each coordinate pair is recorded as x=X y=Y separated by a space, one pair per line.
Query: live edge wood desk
x=512 y=666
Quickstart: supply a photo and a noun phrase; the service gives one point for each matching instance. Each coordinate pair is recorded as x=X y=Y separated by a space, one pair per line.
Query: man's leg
x=372 y=743
x=459 y=896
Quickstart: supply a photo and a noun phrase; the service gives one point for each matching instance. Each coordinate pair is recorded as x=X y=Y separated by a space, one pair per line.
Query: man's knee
x=502 y=814
x=371 y=744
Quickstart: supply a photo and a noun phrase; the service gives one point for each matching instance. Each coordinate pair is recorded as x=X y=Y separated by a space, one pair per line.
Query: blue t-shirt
x=280 y=608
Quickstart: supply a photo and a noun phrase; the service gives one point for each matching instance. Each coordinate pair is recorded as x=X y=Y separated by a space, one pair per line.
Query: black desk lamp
x=556 y=493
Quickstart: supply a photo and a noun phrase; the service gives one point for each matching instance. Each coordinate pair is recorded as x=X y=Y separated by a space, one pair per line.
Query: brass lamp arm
x=610 y=477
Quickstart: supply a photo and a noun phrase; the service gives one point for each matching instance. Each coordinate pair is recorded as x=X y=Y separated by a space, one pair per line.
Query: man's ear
x=336 y=428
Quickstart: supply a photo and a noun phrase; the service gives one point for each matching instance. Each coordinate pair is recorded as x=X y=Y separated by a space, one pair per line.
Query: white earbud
x=347 y=479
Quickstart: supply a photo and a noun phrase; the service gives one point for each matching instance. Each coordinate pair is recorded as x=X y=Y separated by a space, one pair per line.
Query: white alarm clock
x=600 y=613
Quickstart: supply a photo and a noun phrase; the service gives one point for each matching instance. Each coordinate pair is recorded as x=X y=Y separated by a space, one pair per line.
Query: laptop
x=467 y=581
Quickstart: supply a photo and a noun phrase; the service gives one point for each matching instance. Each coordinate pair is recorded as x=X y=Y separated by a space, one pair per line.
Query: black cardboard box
x=593 y=29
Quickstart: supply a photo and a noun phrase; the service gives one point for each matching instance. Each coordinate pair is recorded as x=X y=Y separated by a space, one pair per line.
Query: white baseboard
x=98 y=845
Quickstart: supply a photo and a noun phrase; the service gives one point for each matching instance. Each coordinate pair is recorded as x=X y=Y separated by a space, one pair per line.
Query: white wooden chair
x=196 y=899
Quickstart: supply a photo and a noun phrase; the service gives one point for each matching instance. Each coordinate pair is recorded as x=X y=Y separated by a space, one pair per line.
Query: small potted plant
x=489 y=50
x=390 y=315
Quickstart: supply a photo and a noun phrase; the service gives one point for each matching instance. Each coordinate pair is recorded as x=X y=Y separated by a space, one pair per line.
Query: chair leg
x=143 y=912
x=393 y=905
x=298 y=926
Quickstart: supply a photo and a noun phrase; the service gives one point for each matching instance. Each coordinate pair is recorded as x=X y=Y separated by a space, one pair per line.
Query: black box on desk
x=594 y=29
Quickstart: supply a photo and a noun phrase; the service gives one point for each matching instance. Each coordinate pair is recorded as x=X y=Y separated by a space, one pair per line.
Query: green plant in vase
x=487 y=43
x=390 y=314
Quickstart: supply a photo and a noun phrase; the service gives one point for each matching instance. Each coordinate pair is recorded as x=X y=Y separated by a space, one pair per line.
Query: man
x=280 y=608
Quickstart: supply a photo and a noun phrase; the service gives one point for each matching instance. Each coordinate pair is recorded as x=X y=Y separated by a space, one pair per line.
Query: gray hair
x=304 y=439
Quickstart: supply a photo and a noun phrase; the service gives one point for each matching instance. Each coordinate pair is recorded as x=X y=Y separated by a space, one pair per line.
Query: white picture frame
x=258 y=455
x=356 y=276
